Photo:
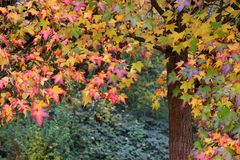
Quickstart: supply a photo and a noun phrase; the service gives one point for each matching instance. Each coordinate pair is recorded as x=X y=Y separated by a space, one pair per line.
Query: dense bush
x=73 y=133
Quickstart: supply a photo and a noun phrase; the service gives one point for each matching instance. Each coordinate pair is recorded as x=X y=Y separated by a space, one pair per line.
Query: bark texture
x=180 y=123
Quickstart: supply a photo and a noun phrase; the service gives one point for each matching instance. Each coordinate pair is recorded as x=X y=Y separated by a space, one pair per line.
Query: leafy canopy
x=45 y=45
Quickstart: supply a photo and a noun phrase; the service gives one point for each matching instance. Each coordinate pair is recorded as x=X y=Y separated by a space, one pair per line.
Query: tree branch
x=140 y=39
x=157 y=7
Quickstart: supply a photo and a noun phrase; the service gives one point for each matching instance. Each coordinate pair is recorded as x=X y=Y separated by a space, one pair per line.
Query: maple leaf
x=4 y=58
x=39 y=115
x=58 y=78
x=123 y=97
x=55 y=37
x=99 y=81
x=4 y=39
x=78 y=76
x=38 y=112
x=112 y=95
x=190 y=72
x=94 y=93
x=226 y=68
x=3 y=82
x=71 y=18
x=200 y=156
x=55 y=93
x=88 y=14
x=87 y=99
x=45 y=70
x=102 y=5
x=79 y=5
x=199 y=3
x=14 y=17
x=67 y=2
x=7 y=112
x=46 y=33
x=182 y=4
x=23 y=107
x=138 y=66
x=3 y=10
x=238 y=100
x=126 y=83
x=120 y=72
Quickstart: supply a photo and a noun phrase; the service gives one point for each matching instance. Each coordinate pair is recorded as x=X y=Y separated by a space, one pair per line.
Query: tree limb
x=157 y=7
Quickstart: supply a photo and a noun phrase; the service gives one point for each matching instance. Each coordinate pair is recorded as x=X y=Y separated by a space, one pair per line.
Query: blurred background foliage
x=100 y=131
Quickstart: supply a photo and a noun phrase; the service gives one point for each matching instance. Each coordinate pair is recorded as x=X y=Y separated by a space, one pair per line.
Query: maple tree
x=45 y=45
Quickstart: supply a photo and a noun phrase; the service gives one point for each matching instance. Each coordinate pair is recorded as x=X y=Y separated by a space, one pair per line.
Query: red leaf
x=38 y=111
x=39 y=115
x=67 y=2
x=58 y=78
x=55 y=93
x=46 y=33
x=4 y=39
x=79 y=5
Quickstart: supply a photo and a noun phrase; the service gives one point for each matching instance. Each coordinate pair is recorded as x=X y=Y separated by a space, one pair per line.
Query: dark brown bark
x=180 y=123
x=4 y=3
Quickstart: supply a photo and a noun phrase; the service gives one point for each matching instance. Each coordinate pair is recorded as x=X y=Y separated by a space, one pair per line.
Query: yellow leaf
x=14 y=17
x=25 y=95
x=119 y=17
x=186 y=18
x=118 y=39
x=3 y=58
x=176 y=36
x=126 y=82
x=122 y=97
x=111 y=32
x=141 y=2
x=150 y=39
x=158 y=31
x=87 y=99
x=196 y=112
x=170 y=27
x=155 y=105
x=3 y=10
x=29 y=29
x=137 y=66
x=58 y=90
x=168 y=14
x=186 y=85
x=179 y=64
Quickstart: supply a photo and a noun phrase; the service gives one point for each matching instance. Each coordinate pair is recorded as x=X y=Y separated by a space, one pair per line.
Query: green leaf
x=186 y=97
x=204 y=90
x=198 y=144
x=193 y=45
x=137 y=66
x=216 y=25
x=164 y=40
x=172 y=77
x=176 y=92
x=107 y=16
x=75 y=32
x=178 y=48
x=44 y=23
x=186 y=85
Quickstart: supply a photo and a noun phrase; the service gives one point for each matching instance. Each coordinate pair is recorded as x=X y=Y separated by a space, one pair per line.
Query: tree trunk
x=180 y=123
x=4 y=3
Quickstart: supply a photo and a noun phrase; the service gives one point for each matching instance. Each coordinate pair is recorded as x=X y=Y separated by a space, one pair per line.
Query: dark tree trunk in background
x=180 y=123
x=4 y=3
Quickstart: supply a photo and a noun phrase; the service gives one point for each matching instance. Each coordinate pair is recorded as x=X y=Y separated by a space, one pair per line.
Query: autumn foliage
x=46 y=45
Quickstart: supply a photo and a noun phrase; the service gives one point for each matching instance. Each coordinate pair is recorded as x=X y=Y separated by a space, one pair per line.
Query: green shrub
x=73 y=133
